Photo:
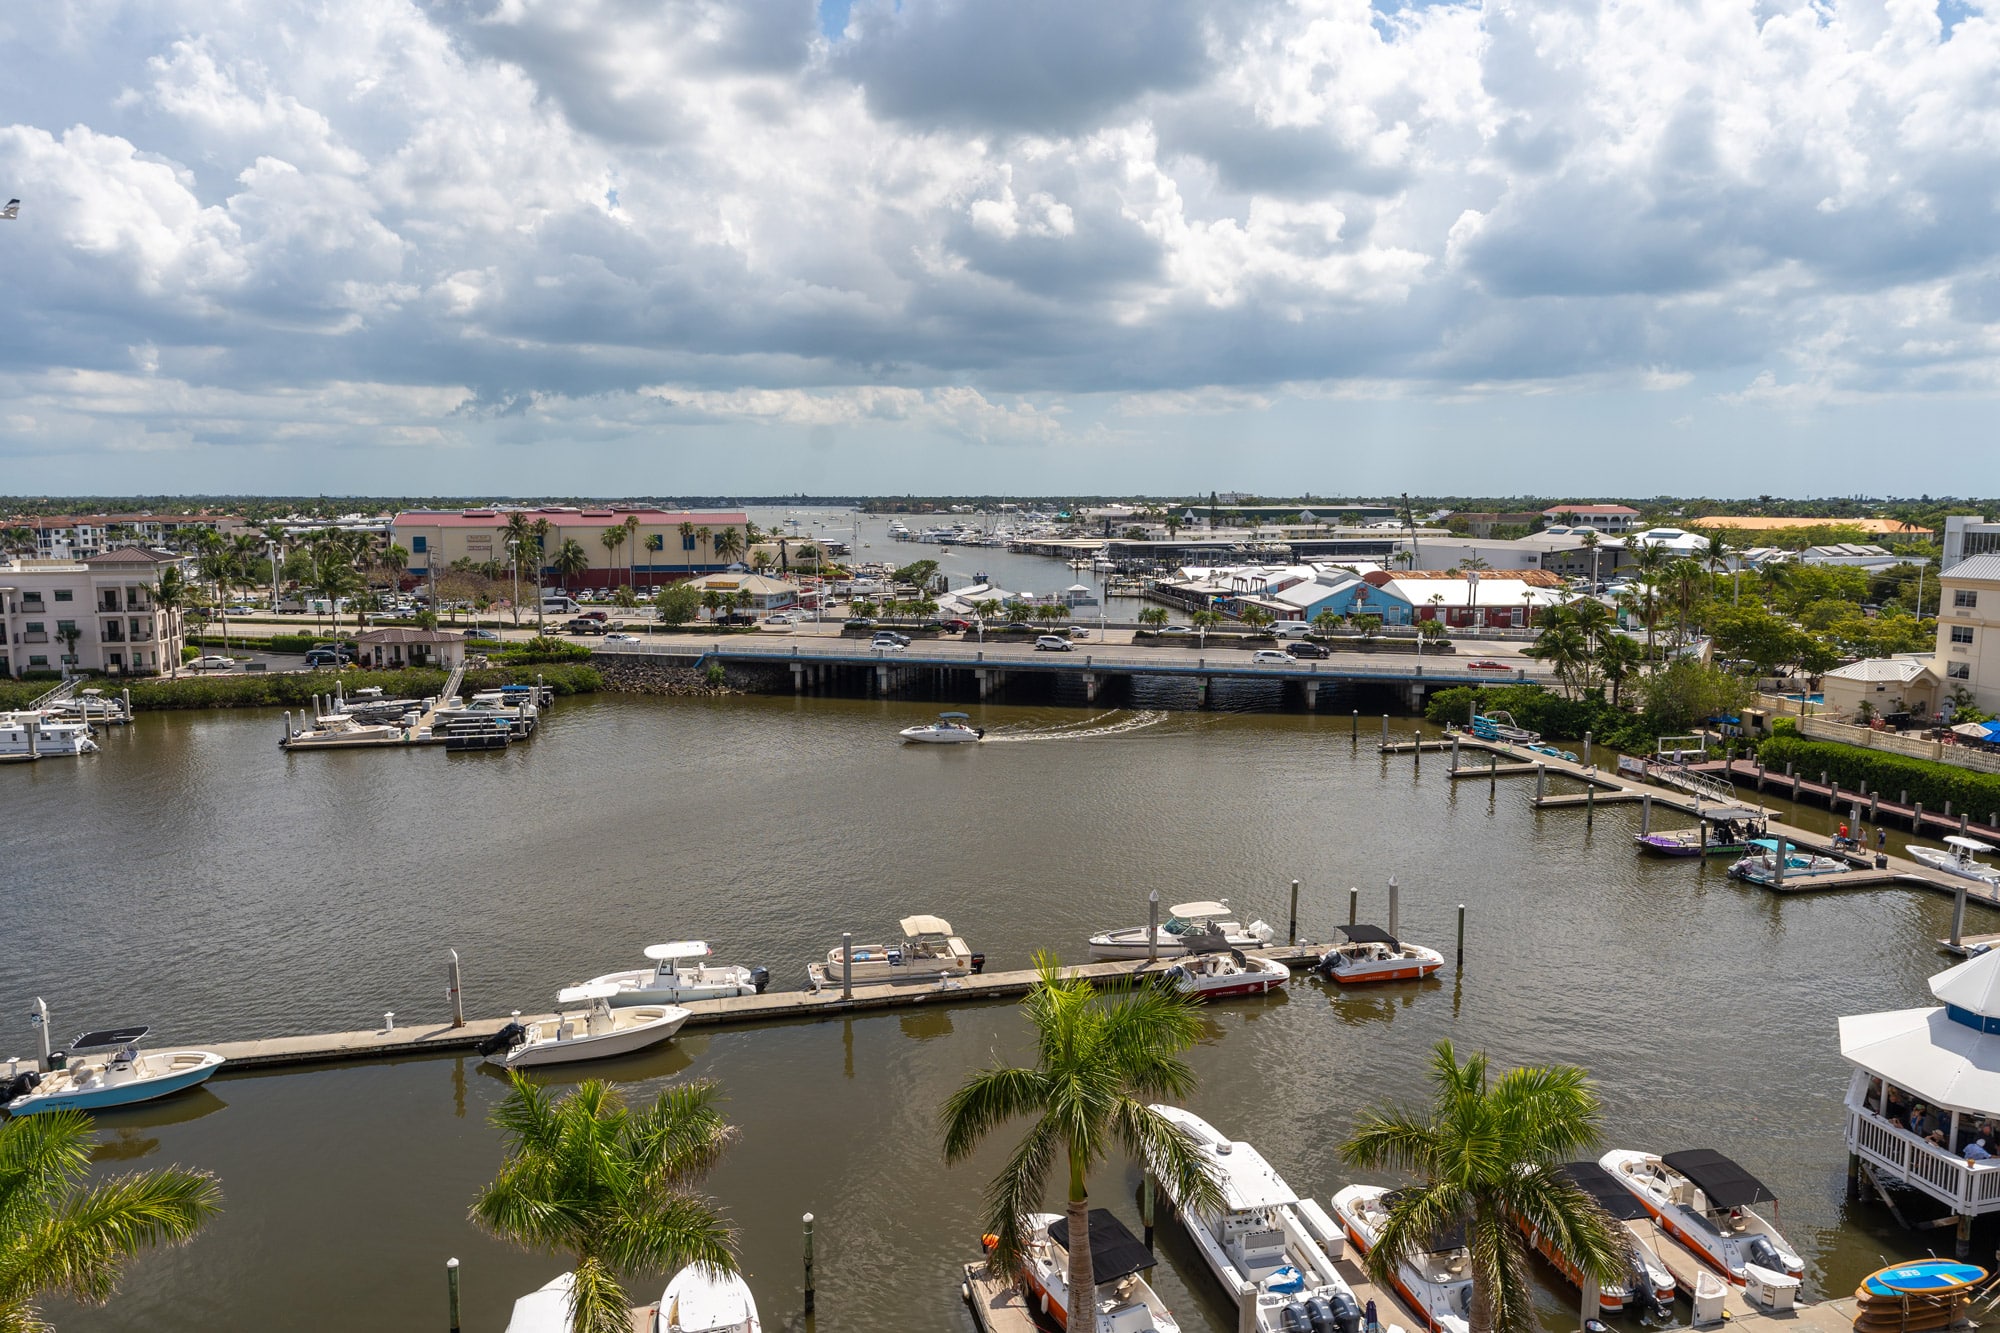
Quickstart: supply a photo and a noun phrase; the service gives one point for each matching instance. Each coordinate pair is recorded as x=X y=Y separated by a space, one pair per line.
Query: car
x=1303 y=650
x=599 y=616
x=1487 y=665
x=890 y=636
x=1175 y=629
x=1292 y=629
x=958 y=626
x=887 y=646
x=584 y=625
x=1054 y=643
x=212 y=663
x=621 y=638
x=1079 y=632
x=781 y=618
x=860 y=622
x=320 y=659
x=1018 y=627
x=1273 y=657
x=486 y=635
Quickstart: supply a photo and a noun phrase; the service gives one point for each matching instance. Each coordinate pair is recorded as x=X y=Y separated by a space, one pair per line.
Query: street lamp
x=514 y=559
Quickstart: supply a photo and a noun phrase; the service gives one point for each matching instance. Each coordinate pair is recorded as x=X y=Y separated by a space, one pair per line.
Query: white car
x=1054 y=643
x=780 y=618
x=1272 y=657
x=212 y=664
x=621 y=638
x=888 y=646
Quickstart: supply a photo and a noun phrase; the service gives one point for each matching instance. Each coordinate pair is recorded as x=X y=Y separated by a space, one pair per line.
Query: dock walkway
x=1747 y=772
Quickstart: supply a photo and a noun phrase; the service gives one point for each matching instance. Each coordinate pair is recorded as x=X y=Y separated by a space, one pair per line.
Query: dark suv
x=584 y=625
x=1307 y=649
x=320 y=658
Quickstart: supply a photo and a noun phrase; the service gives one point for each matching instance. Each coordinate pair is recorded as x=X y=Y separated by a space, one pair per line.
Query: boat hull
x=1947 y=864
x=1263 y=975
x=698 y=1302
x=1653 y=845
x=939 y=736
x=104 y=1096
x=1363 y=1240
x=599 y=1046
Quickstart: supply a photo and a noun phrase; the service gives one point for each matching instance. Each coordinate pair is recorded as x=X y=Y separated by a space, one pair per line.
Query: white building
x=106 y=601
x=1856 y=555
x=1967 y=535
x=1968 y=642
x=1598 y=518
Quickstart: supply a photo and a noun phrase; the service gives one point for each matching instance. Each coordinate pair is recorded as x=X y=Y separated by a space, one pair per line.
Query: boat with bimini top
x=599 y=1031
x=1118 y=1259
x=679 y=974
x=949 y=729
x=1648 y=1284
x=1959 y=856
x=1437 y=1282
x=1371 y=953
x=1184 y=923
x=120 y=1074
x=1768 y=855
x=1704 y=1200
x=930 y=951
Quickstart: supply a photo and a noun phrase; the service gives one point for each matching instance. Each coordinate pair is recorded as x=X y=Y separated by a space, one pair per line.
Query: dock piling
x=1385 y=728
x=1645 y=814
x=451 y=1283
x=1586 y=751
x=1957 y=912
x=1461 y=937
x=452 y=991
x=1353 y=906
x=1153 y=926
x=1541 y=782
x=1778 y=879
x=810 y=1287
x=1492 y=774
x=34 y=738
x=1417 y=751
x=40 y=1018
x=1354 y=732
x=846 y=964
x=1454 y=752
x=1589 y=805
x=1246 y=1309
x=1292 y=923
x=389 y=1021
x=1394 y=913
x=1148 y=1197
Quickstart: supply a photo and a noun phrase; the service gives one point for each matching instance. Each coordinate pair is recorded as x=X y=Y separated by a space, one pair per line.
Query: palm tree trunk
x=1082 y=1286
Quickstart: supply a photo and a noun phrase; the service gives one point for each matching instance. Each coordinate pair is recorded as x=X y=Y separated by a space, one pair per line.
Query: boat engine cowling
x=978 y=963
x=506 y=1039
x=760 y=977
x=1338 y=1314
x=20 y=1085
x=1296 y=1319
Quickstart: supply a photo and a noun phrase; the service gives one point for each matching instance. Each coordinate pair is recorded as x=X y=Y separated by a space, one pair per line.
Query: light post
x=514 y=559
x=271 y=548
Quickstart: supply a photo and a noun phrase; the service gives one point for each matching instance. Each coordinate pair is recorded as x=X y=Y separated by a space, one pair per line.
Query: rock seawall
x=664 y=674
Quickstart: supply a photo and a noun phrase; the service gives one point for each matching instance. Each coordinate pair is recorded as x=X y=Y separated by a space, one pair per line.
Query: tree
x=631 y=526
x=59 y=1237
x=1256 y=617
x=1590 y=544
x=677 y=603
x=1485 y=1153
x=729 y=545
x=687 y=546
x=608 y=1186
x=1326 y=622
x=1681 y=695
x=1617 y=662
x=170 y=594
x=1153 y=617
x=918 y=573
x=712 y=601
x=333 y=578
x=1202 y=620
x=571 y=560
x=67 y=631
x=613 y=537
x=1102 y=1057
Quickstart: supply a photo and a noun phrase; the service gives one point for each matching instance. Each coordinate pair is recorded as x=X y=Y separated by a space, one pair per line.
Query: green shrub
x=1932 y=783
x=295 y=689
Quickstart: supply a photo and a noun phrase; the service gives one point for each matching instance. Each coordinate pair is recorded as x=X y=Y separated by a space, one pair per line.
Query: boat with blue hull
x=101 y=1070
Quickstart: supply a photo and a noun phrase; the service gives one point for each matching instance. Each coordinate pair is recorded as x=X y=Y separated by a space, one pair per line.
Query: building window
x=37 y=660
x=1958 y=670
x=420 y=544
x=1965 y=597
x=64 y=595
x=1961 y=634
x=687 y=543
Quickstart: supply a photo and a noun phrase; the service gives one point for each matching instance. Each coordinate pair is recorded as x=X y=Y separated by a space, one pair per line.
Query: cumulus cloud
x=963 y=220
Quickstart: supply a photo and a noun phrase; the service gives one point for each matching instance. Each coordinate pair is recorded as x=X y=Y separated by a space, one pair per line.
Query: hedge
x=295 y=689
x=1539 y=709
x=1977 y=794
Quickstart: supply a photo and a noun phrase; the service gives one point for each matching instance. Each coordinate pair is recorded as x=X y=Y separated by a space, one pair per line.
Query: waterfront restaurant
x=1926 y=1089
x=399 y=646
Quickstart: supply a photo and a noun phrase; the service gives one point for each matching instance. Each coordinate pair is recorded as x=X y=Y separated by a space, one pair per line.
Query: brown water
x=194 y=877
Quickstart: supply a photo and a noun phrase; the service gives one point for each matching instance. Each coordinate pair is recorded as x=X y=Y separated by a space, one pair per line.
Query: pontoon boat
x=929 y=952
x=678 y=975
x=1702 y=1199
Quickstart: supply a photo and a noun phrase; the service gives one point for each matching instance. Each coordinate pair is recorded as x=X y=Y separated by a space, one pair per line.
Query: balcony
x=35 y=636
x=112 y=633
x=1969 y=1189
x=109 y=602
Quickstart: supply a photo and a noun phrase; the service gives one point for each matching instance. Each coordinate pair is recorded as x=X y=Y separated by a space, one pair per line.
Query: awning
x=1369 y=935
x=1605 y=1188
x=1114 y=1251
x=1726 y=1184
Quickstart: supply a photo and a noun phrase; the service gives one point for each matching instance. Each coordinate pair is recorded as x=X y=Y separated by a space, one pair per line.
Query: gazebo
x=1942 y=1063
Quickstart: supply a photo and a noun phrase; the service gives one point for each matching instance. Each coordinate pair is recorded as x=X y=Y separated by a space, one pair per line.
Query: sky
x=669 y=247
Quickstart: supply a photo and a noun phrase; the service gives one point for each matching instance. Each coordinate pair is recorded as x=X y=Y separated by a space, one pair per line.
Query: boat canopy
x=1726 y=1184
x=1602 y=1186
x=1199 y=909
x=1967 y=844
x=661 y=953
x=106 y=1038
x=1717 y=813
x=954 y=717
x=914 y=926
x=596 y=990
x=1114 y=1251
x=1370 y=935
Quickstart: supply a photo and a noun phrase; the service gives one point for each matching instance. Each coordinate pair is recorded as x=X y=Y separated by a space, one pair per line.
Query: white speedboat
x=1184 y=920
x=929 y=952
x=1648 y=1282
x=1265 y=1237
x=1959 y=857
x=949 y=729
x=596 y=1032
x=100 y=1070
x=1761 y=866
x=53 y=737
x=1125 y=1303
x=1371 y=953
x=1217 y=974
x=545 y=1309
x=1437 y=1284
x=678 y=975
x=336 y=731
x=1702 y=1199
x=698 y=1300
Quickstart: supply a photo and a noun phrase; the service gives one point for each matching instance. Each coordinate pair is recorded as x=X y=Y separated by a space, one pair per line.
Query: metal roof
x=1975 y=567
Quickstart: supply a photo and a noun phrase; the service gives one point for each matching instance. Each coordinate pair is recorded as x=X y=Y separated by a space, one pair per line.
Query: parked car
x=781 y=618
x=958 y=626
x=595 y=615
x=890 y=636
x=1054 y=643
x=1487 y=666
x=1079 y=632
x=320 y=659
x=887 y=646
x=484 y=635
x=1273 y=657
x=584 y=625
x=212 y=663
x=1292 y=629
x=621 y=638
x=1303 y=650
x=1018 y=627
x=860 y=622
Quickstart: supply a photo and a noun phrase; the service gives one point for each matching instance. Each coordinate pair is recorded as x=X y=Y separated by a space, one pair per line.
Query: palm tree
x=687 y=546
x=1326 y=622
x=607 y=1185
x=1684 y=577
x=1202 y=620
x=613 y=537
x=170 y=595
x=1485 y=1154
x=61 y=1238
x=333 y=578
x=1590 y=545
x=1153 y=617
x=1102 y=1056
x=712 y=601
x=571 y=560
x=632 y=556
x=539 y=530
x=728 y=545
x=1651 y=560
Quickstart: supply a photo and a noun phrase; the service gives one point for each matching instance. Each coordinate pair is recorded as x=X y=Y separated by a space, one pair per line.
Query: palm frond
x=1171 y=1154
x=1391 y=1139
x=667 y=1233
x=1572 y=1222
x=597 y=1303
x=682 y=1135
x=988 y=1100
x=40 y=1157
x=1500 y=1271
x=78 y=1246
x=1416 y=1218
x=1017 y=1191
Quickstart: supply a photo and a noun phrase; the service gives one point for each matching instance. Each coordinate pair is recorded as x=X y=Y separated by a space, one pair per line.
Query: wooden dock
x=1748 y=773
x=432 y=1037
x=999 y=1306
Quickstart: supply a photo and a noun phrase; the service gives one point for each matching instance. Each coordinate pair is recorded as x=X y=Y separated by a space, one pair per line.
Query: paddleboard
x=1925 y=1278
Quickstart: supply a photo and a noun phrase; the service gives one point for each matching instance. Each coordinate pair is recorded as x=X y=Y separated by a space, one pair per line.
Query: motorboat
x=1715 y=837
x=1265 y=1238
x=53 y=737
x=1216 y=972
x=1648 y=1284
x=99 y=1070
x=1499 y=725
x=1436 y=1283
x=1125 y=1303
x=929 y=951
x=1370 y=953
x=334 y=731
x=678 y=975
x=545 y=1309
x=701 y=1300
x=1959 y=857
x=595 y=1033
x=1184 y=921
x=1761 y=865
x=949 y=729
x=1703 y=1200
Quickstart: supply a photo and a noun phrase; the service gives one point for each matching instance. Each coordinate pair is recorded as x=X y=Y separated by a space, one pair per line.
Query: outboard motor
x=978 y=963
x=506 y=1039
x=760 y=977
x=20 y=1085
x=1296 y=1319
x=1338 y=1314
x=1764 y=1254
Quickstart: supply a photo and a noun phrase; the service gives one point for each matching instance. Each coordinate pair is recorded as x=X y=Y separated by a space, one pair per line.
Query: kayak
x=1929 y=1277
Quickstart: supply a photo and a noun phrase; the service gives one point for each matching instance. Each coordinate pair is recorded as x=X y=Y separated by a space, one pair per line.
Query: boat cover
x=108 y=1037
x=1185 y=910
x=1114 y=1251
x=914 y=926
x=661 y=953
x=1605 y=1189
x=1726 y=1184
x=1370 y=935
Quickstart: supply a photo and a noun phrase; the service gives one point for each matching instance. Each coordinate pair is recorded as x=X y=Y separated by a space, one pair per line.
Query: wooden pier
x=433 y=1037
x=1794 y=786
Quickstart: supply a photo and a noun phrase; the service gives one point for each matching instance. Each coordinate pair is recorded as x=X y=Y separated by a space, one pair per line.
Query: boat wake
x=1085 y=729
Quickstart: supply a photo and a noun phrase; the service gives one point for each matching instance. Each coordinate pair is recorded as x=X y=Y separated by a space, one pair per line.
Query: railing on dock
x=1698 y=784
x=1968 y=1188
x=54 y=696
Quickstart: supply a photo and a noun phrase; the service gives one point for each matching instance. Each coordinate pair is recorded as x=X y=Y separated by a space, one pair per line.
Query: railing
x=1969 y=1188
x=1696 y=784
x=1825 y=729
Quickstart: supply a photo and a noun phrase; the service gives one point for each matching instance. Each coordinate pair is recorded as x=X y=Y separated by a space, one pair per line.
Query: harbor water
x=193 y=877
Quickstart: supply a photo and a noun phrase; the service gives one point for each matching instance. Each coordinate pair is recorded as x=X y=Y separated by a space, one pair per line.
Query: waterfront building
x=1904 y=684
x=656 y=553
x=1968 y=629
x=1938 y=1066
x=1967 y=535
x=1469 y=600
x=1598 y=518
x=766 y=594
x=397 y=646
x=105 y=600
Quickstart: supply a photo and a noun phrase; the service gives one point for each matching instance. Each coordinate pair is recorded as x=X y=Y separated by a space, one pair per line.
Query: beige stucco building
x=657 y=552
x=107 y=599
x=1968 y=642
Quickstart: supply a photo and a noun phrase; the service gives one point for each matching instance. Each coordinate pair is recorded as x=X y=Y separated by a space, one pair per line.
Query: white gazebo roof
x=1929 y=1054
x=1973 y=985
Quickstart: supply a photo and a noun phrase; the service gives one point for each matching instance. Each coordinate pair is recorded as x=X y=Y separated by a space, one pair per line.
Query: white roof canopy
x=661 y=953
x=1969 y=844
x=913 y=926
x=1926 y=1053
x=1973 y=985
x=596 y=990
x=1199 y=909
